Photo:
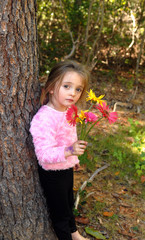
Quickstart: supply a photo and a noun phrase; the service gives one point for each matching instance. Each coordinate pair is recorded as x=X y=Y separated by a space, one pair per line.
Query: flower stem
x=92 y=127
x=82 y=131
x=91 y=107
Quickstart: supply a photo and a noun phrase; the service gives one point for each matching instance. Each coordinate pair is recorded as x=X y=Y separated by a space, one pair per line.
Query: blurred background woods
x=106 y=34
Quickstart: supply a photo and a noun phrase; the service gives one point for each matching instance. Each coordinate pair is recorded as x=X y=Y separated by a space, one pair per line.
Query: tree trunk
x=22 y=206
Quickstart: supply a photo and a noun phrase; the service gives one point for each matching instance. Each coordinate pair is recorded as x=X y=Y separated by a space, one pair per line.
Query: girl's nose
x=73 y=92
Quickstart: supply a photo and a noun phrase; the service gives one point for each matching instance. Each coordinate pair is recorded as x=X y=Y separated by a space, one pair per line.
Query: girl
x=56 y=144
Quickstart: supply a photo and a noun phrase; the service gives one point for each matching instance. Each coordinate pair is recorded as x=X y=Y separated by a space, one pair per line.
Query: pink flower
x=90 y=117
x=104 y=109
x=72 y=115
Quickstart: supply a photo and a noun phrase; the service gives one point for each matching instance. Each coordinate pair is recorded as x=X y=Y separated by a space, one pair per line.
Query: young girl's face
x=68 y=93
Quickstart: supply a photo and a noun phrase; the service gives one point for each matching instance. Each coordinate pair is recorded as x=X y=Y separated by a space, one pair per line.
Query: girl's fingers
x=79 y=147
x=82 y=142
x=82 y=146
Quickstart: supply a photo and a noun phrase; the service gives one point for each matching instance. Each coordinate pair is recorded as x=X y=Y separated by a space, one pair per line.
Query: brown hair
x=56 y=76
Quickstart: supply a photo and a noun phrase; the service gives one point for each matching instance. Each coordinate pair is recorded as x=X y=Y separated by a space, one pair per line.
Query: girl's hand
x=77 y=148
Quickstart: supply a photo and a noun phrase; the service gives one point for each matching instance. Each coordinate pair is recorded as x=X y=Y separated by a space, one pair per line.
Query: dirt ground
x=115 y=206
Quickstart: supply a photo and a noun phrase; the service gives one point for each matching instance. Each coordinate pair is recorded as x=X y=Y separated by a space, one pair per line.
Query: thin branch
x=133 y=30
x=88 y=22
x=98 y=18
x=139 y=56
x=95 y=60
x=64 y=13
x=89 y=34
x=88 y=181
x=122 y=104
x=132 y=97
x=71 y=52
x=99 y=33
x=70 y=33
x=142 y=13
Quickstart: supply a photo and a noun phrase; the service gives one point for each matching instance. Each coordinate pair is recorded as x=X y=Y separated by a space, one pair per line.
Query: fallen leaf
x=116 y=195
x=94 y=233
x=134 y=192
x=127 y=211
x=126 y=205
x=142 y=179
x=99 y=198
x=108 y=214
x=125 y=233
x=82 y=220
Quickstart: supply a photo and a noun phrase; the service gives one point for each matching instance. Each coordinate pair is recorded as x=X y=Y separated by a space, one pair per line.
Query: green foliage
x=99 y=206
x=139 y=145
x=119 y=155
x=76 y=212
x=94 y=233
x=108 y=27
x=83 y=193
x=128 y=83
x=84 y=159
x=124 y=150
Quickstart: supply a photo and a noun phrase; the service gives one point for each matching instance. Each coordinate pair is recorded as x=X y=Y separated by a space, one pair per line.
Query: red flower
x=72 y=115
x=104 y=109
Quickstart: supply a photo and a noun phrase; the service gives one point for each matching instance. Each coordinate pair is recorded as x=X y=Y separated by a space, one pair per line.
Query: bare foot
x=77 y=236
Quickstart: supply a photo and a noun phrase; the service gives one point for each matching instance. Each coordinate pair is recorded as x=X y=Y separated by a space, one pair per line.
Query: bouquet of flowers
x=88 y=119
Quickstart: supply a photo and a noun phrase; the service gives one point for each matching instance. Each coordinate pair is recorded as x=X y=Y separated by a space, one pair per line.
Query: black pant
x=58 y=190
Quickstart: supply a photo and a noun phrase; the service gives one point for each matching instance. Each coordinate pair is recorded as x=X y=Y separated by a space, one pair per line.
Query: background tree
x=100 y=33
x=22 y=207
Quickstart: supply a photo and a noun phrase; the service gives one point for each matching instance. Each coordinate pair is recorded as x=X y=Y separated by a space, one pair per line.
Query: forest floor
x=115 y=205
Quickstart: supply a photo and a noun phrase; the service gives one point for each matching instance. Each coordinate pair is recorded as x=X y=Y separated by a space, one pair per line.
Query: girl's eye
x=79 y=90
x=66 y=86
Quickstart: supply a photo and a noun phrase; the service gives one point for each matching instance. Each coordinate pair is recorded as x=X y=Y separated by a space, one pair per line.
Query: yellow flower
x=81 y=116
x=92 y=97
x=98 y=100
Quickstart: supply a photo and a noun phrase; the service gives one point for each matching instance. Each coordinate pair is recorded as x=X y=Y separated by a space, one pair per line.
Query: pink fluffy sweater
x=51 y=134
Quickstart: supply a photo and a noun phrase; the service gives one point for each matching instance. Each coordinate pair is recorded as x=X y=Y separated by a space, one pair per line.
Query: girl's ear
x=51 y=92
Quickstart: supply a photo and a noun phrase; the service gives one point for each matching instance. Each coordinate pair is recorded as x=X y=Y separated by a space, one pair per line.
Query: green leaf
x=142 y=154
x=94 y=233
x=89 y=184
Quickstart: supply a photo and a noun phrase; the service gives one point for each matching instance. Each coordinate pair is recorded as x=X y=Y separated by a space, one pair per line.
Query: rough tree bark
x=22 y=207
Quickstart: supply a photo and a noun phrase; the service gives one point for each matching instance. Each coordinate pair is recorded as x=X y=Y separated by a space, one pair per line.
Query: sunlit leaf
x=83 y=220
x=108 y=214
x=94 y=233
x=142 y=179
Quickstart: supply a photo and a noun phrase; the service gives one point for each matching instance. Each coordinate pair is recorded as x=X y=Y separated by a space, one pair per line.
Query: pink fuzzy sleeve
x=43 y=131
